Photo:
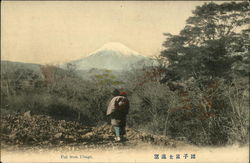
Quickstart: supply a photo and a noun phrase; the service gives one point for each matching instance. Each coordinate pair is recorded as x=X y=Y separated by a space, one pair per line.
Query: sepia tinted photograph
x=125 y=81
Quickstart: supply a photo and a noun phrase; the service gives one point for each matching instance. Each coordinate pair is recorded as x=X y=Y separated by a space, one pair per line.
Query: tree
x=212 y=44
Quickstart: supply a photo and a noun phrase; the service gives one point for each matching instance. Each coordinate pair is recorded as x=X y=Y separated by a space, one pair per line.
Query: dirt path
x=43 y=131
x=33 y=138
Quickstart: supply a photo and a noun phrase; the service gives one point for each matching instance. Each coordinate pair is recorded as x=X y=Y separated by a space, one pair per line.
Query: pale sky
x=55 y=32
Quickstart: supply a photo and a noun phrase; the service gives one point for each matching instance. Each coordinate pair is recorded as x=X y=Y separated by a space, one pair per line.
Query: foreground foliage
x=25 y=130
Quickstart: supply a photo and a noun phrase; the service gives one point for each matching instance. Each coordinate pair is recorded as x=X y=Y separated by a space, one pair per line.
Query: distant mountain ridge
x=11 y=65
x=113 y=56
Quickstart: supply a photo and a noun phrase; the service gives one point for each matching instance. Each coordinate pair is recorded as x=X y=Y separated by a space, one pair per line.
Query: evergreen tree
x=214 y=43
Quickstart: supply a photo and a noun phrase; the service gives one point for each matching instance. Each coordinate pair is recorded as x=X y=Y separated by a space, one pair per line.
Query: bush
x=205 y=112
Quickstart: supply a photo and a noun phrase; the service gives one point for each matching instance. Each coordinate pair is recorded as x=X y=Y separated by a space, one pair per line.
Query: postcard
x=125 y=81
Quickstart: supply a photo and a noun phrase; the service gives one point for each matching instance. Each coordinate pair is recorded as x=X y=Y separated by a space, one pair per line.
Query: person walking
x=118 y=109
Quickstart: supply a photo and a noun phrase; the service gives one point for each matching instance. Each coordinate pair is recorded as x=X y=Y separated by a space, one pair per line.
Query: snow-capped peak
x=118 y=47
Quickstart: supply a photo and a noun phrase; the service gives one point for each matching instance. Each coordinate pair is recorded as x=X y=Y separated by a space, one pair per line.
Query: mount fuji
x=112 y=56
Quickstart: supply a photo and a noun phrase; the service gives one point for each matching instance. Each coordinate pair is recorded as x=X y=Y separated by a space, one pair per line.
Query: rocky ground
x=36 y=138
x=38 y=131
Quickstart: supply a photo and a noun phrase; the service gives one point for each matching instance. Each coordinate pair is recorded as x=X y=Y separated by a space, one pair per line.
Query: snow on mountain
x=117 y=47
x=113 y=56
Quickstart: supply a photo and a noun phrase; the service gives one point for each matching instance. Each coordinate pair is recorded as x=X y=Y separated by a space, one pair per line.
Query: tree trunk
x=165 y=125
